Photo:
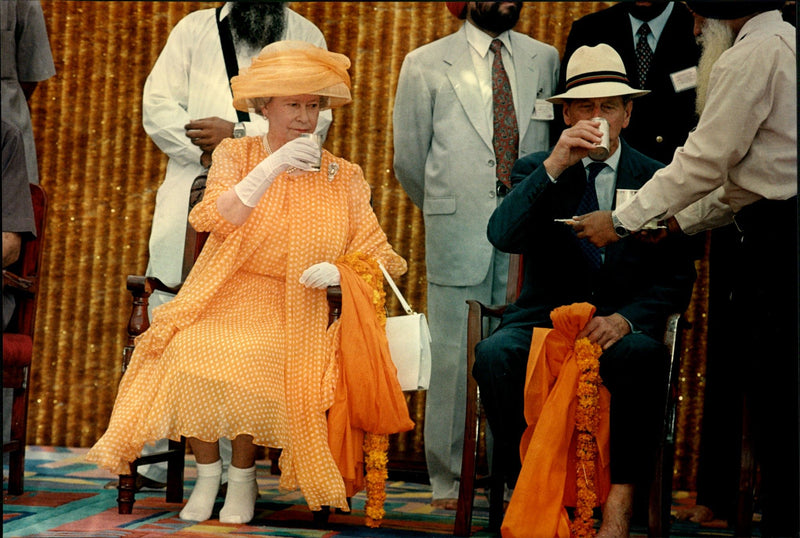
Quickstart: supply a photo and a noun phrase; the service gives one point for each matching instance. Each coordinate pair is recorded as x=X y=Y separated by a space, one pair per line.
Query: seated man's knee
x=485 y=354
x=636 y=359
x=502 y=354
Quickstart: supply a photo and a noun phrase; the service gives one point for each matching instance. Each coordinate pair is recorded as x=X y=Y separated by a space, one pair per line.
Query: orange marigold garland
x=587 y=419
x=376 y=446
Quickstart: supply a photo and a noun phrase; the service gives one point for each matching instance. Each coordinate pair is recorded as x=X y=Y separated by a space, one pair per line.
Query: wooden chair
x=660 y=500
x=22 y=278
x=475 y=428
x=141 y=288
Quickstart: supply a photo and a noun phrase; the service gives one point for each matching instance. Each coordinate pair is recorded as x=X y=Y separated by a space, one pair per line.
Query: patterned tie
x=643 y=54
x=506 y=135
x=588 y=204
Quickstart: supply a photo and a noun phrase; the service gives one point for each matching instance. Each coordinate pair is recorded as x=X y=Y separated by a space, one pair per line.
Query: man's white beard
x=717 y=37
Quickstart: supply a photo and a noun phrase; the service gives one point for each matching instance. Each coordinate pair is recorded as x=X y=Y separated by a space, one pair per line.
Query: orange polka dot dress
x=242 y=349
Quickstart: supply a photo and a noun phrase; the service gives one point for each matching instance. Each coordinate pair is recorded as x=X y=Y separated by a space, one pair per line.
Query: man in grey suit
x=453 y=159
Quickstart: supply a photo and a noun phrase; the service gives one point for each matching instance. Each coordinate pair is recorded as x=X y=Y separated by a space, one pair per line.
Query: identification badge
x=685 y=79
x=543 y=110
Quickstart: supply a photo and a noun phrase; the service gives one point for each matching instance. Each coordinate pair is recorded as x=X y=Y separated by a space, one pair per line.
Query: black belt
x=502 y=189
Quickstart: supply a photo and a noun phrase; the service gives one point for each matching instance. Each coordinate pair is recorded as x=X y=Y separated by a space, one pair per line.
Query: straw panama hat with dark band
x=594 y=72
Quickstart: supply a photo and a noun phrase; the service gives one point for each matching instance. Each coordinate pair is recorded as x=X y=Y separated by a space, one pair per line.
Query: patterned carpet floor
x=67 y=497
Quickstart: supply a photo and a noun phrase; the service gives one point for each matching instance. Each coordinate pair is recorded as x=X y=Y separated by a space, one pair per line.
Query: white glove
x=301 y=153
x=320 y=275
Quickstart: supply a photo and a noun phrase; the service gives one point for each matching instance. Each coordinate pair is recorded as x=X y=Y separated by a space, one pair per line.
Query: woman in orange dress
x=244 y=350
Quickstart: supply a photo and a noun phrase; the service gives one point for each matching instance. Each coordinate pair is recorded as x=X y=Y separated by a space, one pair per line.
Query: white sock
x=201 y=501
x=240 y=502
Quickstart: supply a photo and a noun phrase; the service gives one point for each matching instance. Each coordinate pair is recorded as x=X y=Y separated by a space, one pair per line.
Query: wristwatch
x=238 y=130
x=619 y=229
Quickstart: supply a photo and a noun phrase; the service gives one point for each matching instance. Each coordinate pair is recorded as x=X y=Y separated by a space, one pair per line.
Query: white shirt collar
x=656 y=25
x=481 y=41
x=226 y=9
x=759 y=20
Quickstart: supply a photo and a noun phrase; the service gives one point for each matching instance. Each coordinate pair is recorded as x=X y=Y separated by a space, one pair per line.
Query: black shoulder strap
x=229 y=53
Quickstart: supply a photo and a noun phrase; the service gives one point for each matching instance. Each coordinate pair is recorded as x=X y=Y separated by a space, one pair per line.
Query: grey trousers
x=446 y=397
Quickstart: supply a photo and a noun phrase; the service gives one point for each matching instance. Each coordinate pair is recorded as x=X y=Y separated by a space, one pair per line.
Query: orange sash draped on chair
x=368 y=397
x=547 y=481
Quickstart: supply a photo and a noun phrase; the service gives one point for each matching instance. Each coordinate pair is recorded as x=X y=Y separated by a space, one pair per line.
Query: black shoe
x=142 y=482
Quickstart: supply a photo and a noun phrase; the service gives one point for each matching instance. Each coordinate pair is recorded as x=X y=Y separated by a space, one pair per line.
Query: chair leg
x=175 y=467
x=472 y=427
x=18 y=434
x=274 y=456
x=497 y=487
x=16 y=471
x=469 y=456
x=466 y=489
x=126 y=492
x=660 y=500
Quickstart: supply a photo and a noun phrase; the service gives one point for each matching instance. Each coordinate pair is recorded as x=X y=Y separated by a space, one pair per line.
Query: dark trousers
x=765 y=307
x=720 y=458
x=633 y=370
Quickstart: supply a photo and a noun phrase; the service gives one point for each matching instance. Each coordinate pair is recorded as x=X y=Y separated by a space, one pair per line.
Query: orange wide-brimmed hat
x=287 y=68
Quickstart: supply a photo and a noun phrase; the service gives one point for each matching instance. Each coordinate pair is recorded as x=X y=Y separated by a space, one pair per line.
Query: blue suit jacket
x=643 y=282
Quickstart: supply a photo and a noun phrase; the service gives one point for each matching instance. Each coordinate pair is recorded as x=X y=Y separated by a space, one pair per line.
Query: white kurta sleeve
x=165 y=101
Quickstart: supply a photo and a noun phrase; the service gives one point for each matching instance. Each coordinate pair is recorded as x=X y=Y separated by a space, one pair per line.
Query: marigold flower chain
x=376 y=446
x=587 y=420
x=375 y=460
x=370 y=272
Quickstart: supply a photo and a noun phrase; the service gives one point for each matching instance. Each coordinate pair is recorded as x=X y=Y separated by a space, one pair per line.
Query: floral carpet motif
x=66 y=497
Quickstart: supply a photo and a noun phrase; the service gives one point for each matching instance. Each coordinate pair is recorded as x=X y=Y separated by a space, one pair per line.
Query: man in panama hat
x=633 y=287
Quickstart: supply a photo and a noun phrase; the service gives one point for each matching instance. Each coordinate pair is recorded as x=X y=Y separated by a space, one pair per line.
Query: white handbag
x=409 y=344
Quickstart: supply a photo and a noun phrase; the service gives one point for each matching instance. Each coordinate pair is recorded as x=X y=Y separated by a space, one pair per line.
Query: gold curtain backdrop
x=101 y=173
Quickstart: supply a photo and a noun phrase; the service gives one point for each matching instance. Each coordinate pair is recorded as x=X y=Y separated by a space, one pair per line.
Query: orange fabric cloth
x=368 y=397
x=546 y=483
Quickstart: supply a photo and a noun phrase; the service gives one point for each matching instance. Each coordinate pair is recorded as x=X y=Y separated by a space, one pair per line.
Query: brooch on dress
x=333 y=168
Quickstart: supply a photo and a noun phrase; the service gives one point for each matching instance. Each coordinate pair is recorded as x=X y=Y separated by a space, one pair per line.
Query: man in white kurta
x=189 y=82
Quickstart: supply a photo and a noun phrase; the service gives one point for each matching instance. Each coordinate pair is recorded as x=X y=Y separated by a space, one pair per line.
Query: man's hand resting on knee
x=606 y=330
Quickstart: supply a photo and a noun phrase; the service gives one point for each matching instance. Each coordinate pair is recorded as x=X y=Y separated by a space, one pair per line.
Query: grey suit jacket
x=443 y=154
